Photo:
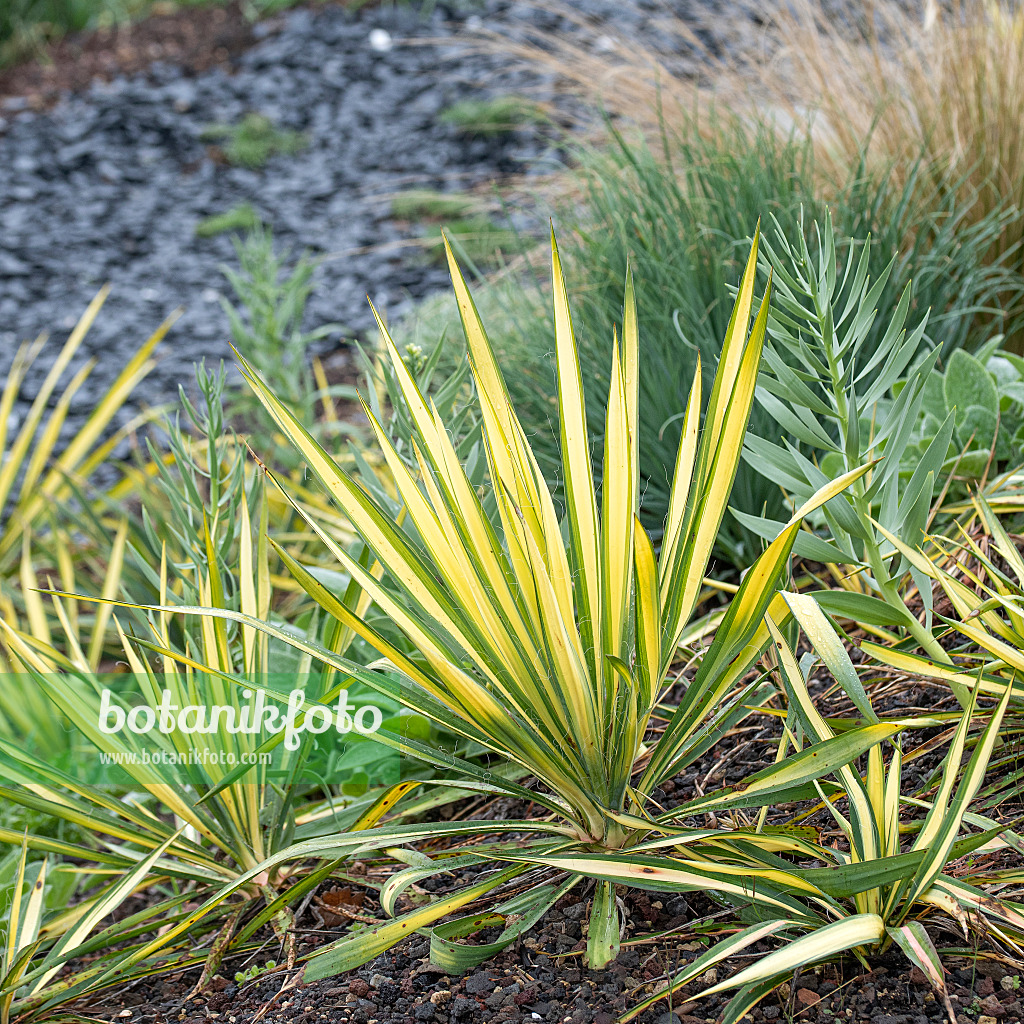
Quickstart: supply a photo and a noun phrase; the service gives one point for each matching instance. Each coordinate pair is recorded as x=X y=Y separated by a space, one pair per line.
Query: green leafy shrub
x=984 y=392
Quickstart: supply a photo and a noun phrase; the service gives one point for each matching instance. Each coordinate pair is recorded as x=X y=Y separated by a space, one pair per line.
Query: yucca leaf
x=22 y=922
x=618 y=493
x=722 y=950
x=916 y=943
x=581 y=507
x=847 y=880
x=767 y=786
x=649 y=658
x=919 y=665
x=718 y=457
x=734 y=346
x=822 y=943
x=943 y=823
x=682 y=478
x=348 y=953
x=806 y=610
x=603 y=934
x=518 y=915
x=670 y=875
x=866 y=842
x=749 y=996
x=75 y=936
x=743 y=622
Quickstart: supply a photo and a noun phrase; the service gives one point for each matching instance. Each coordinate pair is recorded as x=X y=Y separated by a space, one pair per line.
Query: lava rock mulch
x=529 y=984
x=542 y=977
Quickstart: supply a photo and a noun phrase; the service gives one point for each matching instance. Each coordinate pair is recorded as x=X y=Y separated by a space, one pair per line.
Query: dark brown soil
x=194 y=38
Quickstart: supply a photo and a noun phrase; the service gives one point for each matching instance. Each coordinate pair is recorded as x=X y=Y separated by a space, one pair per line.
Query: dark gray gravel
x=110 y=185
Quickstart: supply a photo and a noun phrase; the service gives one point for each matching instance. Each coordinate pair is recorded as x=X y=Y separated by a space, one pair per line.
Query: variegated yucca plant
x=890 y=873
x=547 y=639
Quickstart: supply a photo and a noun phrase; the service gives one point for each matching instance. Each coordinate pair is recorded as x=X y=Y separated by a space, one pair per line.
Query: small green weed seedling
x=496 y=116
x=241 y=217
x=254 y=140
x=253 y=972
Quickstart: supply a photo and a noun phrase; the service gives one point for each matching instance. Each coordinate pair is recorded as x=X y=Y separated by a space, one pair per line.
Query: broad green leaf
x=968 y=383
x=806 y=608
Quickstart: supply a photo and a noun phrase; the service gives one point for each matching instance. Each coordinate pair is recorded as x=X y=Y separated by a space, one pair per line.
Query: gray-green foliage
x=828 y=382
x=443 y=372
x=202 y=486
x=985 y=394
